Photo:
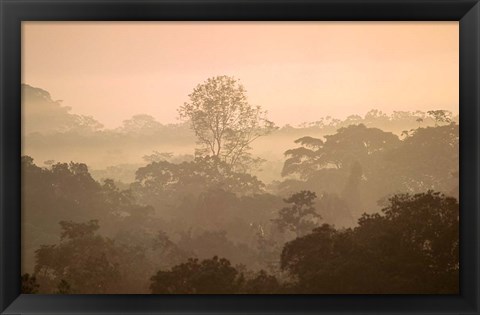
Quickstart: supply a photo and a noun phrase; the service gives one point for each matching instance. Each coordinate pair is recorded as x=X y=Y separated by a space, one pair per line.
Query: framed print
x=239 y=156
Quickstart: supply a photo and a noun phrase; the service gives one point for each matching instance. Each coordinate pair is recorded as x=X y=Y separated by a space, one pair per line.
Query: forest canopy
x=365 y=205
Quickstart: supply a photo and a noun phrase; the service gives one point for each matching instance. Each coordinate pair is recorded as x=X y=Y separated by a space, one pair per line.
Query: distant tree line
x=54 y=133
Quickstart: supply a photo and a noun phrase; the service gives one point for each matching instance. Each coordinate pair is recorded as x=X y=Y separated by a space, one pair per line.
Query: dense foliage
x=355 y=206
x=412 y=247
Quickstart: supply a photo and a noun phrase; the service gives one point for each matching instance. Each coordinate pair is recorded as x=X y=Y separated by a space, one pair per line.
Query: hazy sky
x=298 y=71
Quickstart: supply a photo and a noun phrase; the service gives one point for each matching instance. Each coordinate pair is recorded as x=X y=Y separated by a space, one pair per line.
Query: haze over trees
x=226 y=202
x=224 y=122
x=301 y=217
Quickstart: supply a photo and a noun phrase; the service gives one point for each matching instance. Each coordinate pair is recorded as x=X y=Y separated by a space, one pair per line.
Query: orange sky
x=298 y=71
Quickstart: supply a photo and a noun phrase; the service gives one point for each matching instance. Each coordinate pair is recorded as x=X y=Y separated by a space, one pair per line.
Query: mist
x=100 y=202
x=240 y=157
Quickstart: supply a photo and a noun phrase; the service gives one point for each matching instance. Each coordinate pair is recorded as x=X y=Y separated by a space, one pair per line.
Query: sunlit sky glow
x=298 y=71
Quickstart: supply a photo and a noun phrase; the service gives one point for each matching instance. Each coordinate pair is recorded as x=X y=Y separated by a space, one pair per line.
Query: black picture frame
x=13 y=12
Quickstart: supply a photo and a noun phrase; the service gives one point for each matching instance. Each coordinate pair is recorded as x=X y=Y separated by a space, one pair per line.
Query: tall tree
x=351 y=192
x=223 y=120
x=301 y=217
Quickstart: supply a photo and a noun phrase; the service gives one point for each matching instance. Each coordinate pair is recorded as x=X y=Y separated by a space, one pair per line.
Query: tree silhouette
x=352 y=144
x=262 y=283
x=426 y=159
x=301 y=217
x=86 y=261
x=412 y=247
x=161 y=181
x=209 y=276
x=224 y=122
x=440 y=116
